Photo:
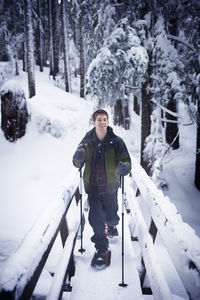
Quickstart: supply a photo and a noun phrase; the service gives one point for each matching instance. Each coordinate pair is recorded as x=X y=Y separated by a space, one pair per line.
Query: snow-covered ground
x=36 y=169
x=179 y=172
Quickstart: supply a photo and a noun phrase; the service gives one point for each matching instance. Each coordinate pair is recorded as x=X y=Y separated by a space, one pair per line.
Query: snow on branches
x=121 y=61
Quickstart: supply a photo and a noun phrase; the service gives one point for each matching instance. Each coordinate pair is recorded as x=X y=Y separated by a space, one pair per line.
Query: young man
x=106 y=158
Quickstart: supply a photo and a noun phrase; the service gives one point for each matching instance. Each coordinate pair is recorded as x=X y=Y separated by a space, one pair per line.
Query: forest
x=130 y=55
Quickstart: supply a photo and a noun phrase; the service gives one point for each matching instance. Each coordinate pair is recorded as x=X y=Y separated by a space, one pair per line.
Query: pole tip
x=81 y=250
x=123 y=284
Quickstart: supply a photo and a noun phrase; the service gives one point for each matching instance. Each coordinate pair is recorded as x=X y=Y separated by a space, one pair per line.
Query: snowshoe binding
x=101 y=259
x=111 y=231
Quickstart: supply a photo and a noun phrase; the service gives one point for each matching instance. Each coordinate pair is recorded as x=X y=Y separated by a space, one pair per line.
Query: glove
x=123 y=168
x=79 y=155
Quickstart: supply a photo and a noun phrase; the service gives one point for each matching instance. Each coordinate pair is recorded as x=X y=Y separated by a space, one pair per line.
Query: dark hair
x=99 y=112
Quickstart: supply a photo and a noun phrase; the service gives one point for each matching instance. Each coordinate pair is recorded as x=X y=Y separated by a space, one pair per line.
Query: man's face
x=101 y=122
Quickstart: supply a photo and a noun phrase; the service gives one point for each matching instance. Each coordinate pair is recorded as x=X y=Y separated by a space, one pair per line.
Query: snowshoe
x=101 y=259
x=111 y=231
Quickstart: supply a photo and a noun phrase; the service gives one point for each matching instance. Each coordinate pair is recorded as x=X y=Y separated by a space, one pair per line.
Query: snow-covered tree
x=190 y=35
x=82 y=22
x=143 y=29
x=169 y=70
x=106 y=20
x=158 y=82
x=120 y=62
x=155 y=149
x=11 y=32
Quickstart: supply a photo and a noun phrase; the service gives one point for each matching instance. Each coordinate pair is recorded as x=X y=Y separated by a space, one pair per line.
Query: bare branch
x=176 y=38
x=165 y=109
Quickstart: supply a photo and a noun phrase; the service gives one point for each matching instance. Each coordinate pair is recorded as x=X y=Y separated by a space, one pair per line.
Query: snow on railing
x=57 y=284
x=180 y=240
x=158 y=283
x=16 y=275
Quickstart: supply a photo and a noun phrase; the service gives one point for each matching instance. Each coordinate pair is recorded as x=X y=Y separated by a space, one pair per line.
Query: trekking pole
x=123 y=198
x=81 y=212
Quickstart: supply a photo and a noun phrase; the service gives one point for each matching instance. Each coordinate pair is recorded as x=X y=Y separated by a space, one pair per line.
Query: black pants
x=103 y=209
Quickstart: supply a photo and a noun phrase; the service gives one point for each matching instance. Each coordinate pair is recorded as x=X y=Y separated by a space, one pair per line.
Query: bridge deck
x=97 y=285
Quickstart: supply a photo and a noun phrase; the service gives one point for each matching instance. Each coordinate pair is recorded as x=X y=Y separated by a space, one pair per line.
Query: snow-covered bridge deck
x=104 y=284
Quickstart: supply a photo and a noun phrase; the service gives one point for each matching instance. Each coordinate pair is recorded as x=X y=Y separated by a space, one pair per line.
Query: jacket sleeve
x=76 y=163
x=123 y=154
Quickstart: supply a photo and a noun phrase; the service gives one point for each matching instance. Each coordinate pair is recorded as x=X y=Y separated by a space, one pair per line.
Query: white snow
x=179 y=238
x=91 y=284
x=37 y=169
x=12 y=85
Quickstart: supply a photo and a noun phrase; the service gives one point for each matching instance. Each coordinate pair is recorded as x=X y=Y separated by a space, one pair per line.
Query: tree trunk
x=14 y=113
x=24 y=63
x=145 y=108
x=172 y=133
x=136 y=105
x=145 y=124
x=66 y=48
x=40 y=31
x=51 y=62
x=118 y=114
x=24 y=49
x=29 y=48
x=56 y=36
x=82 y=62
x=126 y=115
x=76 y=34
x=197 y=165
x=16 y=67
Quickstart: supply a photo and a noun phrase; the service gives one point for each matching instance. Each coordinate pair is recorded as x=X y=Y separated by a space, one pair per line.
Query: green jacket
x=114 y=150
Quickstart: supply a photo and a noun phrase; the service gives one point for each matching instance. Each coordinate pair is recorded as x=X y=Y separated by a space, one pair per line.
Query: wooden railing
x=22 y=270
x=179 y=238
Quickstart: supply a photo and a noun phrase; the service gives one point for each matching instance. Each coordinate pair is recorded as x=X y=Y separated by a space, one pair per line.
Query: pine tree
x=191 y=33
x=106 y=20
x=143 y=30
x=168 y=88
x=121 y=62
x=11 y=32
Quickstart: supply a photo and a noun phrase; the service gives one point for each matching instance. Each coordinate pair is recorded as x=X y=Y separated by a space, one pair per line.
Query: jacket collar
x=91 y=135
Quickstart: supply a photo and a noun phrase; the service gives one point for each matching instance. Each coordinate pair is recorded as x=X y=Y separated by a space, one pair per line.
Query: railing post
x=77 y=196
x=64 y=232
x=70 y=273
x=153 y=230
x=145 y=290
